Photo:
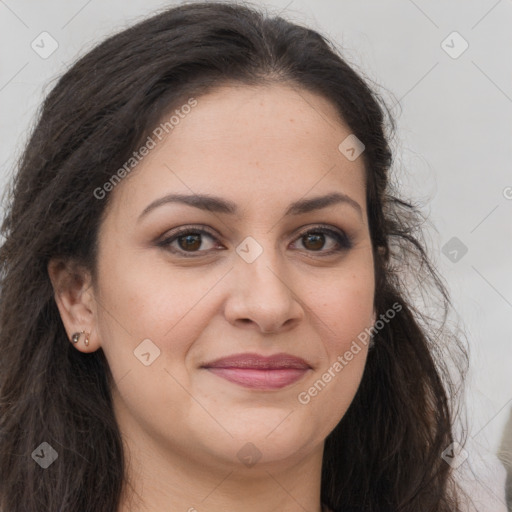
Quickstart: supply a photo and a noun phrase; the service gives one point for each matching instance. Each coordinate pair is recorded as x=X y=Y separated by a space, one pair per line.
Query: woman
x=206 y=282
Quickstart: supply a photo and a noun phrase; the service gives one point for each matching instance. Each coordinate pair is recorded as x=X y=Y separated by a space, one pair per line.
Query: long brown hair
x=385 y=454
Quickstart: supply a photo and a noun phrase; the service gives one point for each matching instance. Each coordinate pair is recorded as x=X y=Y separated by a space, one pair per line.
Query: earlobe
x=75 y=302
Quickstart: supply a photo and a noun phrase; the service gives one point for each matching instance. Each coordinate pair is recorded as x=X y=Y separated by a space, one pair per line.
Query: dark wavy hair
x=385 y=453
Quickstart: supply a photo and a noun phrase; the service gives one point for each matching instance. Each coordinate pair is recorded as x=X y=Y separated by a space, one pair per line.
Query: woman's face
x=252 y=164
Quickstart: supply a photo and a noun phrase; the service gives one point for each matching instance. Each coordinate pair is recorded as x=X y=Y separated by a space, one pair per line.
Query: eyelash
x=344 y=241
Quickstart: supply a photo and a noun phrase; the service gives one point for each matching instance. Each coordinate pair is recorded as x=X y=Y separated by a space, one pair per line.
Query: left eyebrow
x=317 y=203
x=220 y=205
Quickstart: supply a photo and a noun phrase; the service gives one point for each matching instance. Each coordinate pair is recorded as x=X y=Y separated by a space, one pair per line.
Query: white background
x=455 y=129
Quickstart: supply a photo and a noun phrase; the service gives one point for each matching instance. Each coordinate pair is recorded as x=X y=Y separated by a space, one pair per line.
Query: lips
x=259 y=372
x=258 y=362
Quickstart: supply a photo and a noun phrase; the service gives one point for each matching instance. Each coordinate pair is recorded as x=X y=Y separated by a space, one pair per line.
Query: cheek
x=343 y=303
x=343 y=325
x=142 y=300
x=147 y=309
x=347 y=312
x=137 y=295
x=343 y=312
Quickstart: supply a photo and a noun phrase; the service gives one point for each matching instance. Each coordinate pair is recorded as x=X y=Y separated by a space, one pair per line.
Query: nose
x=263 y=297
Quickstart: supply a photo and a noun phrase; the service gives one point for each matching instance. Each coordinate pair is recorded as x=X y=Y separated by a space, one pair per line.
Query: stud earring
x=76 y=337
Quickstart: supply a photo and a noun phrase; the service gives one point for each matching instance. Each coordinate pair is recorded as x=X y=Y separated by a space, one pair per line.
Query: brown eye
x=315 y=240
x=189 y=242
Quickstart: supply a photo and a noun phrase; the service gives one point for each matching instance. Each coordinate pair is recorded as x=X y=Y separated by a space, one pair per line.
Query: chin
x=262 y=446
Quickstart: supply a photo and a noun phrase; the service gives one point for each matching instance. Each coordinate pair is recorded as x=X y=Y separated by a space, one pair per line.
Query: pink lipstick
x=260 y=372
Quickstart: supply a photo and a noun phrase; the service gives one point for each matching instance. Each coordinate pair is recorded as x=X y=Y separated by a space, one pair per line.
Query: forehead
x=249 y=143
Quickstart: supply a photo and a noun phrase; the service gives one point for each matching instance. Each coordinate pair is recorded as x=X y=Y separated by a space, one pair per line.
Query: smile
x=263 y=379
x=258 y=371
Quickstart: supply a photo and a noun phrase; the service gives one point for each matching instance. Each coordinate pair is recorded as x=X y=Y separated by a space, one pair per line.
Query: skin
x=261 y=148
